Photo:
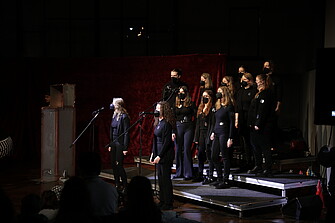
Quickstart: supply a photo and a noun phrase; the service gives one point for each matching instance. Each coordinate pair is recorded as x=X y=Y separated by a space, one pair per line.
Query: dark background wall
x=248 y=31
x=289 y=32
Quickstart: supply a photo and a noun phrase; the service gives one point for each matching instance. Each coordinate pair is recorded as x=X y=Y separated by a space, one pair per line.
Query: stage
x=246 y=195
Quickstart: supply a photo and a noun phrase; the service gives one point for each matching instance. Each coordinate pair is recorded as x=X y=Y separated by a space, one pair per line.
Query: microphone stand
x=142 y=115
x=140 y=152
x=123 y=133
x=90 y=123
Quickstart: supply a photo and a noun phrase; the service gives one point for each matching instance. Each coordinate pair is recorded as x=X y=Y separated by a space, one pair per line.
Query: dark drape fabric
x=138 y=80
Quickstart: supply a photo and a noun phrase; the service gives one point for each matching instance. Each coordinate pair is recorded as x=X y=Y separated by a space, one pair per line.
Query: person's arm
x=211 y=126
x=109 y=148
x=231 y=117
x=154 y=150
x=263 y=108
x=167 y=142
x=126 y=138
x=197 y=131
x=236 y=120
x=278 y=106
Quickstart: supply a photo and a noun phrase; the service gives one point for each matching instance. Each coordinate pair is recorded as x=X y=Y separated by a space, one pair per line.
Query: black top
x=163 y=145
x=204 y=123
x=277 y=87
x=224 y=120
x=185 y=114
x=262 y=111
x=243 y=101
x=120 y=127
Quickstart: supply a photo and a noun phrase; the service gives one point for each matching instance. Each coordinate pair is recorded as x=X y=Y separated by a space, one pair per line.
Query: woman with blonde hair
x=222 y=135
x=228 y=81
x=119 y=141
x=206 y=83
x=261 y=120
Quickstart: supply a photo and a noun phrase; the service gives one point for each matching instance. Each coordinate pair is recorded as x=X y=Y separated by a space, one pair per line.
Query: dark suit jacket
x=122 y=128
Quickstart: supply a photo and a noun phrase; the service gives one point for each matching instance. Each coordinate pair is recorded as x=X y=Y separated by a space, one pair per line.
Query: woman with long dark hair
x=185 y=111
x=201 y=136
x=163 y=153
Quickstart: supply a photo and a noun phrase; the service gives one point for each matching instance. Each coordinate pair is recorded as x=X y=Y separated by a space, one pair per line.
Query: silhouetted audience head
x=74 y=204
x=49 y=200
x=30 y=207
x=139 y=203
x=30 y=204
x=89 y=164
x=7 y=211
x=140 y=191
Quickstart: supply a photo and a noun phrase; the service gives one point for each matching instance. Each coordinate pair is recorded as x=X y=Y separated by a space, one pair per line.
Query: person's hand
x=173 y=136
x=157 y=159
x=151 y=156
x=277 y=110
x=256 y=127
x=212 y=136
x=229 y=142
x=109 y=149
x=125 y=152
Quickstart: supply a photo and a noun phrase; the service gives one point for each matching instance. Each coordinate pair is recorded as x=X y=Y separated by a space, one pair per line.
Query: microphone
x=175 y=90
x=111 y=106
x=147 y=113
x=172 y=90
x=97 y=111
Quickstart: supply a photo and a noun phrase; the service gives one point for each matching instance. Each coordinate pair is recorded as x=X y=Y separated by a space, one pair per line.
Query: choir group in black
x=242 y=110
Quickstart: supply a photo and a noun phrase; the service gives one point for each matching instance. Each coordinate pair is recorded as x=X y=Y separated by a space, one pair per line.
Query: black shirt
x=224 y=120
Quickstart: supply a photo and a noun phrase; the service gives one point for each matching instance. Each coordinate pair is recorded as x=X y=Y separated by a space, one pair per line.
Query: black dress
x=164 y=148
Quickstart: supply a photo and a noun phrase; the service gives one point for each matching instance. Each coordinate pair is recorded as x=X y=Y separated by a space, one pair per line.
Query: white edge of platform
x=243 y=207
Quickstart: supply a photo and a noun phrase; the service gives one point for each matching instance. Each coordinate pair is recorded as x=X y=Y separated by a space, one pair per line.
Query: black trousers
x=261 y=144
x=119 y=172
x=183 y=143
x=165 y=183
x=220 y=145
x=202 y=151
x=244 y=139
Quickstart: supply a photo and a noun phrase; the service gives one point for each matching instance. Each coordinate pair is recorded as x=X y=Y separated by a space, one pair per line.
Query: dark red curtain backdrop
x=138 y=80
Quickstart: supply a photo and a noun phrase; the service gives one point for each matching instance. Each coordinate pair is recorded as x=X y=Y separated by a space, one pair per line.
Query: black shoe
x=208 y=180
x=256 y=170
x=214 y=183
x=222 y=185
x=175 y=177
x=265 y=173
x=198 y=179
x=188 y=178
